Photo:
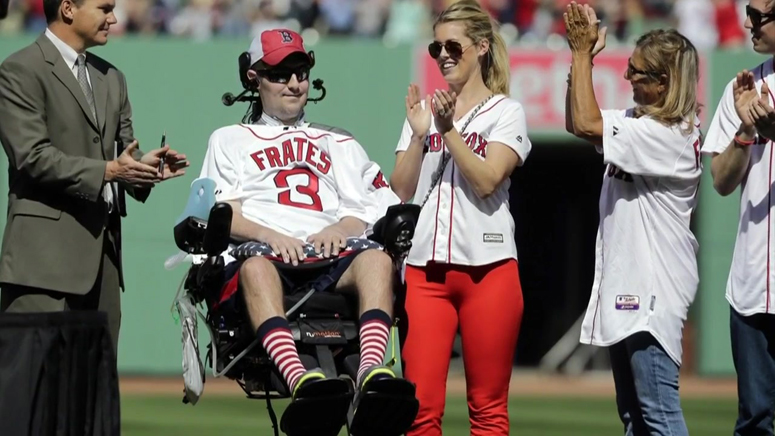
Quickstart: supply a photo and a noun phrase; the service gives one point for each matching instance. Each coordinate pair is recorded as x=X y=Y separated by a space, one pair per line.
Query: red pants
x=485 y=302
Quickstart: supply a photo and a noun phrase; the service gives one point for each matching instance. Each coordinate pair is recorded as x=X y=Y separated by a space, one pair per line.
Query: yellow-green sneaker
x=309 y=375
x=376 y=372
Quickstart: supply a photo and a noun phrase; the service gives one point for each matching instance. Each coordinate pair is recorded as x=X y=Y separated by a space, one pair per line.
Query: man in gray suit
x=66 y=127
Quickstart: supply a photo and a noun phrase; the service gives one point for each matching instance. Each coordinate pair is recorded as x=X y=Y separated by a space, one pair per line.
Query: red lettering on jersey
x=299 y=148
x=435 y=142
x=481 y=150
x=295 y=150
x=311 y=189
x=379 y=181
x=325 y=164
x=311 y=150
x=287 y=153
x=258 y=159
x=471 y=140
x=273 y=154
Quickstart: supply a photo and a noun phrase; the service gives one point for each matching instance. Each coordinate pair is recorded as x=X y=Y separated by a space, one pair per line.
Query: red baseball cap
x=274 y=45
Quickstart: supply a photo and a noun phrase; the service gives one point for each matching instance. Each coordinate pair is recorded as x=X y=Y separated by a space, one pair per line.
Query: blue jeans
x=753 y=351
x=646 y=382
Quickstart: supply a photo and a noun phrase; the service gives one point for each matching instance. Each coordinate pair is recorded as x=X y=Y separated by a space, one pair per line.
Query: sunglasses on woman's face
x=283 y=75
x=631 y=71
x=453 y=48
x=758 y=19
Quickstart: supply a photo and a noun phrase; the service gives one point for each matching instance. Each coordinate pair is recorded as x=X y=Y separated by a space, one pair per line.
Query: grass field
x=165 y=415
x=548 y=408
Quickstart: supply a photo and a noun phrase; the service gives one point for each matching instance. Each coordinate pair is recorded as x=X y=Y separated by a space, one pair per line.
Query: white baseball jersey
x=294 y=180
x=645 y=254
x=749 y=287
x=455 y=225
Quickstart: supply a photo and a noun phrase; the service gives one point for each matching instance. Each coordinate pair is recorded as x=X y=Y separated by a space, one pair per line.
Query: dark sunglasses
x=454 y=49
x=758 y=18
x=632 y=71
x=283 y=75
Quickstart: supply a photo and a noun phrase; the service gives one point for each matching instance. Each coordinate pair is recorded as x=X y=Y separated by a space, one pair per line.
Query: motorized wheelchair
x=324 y=324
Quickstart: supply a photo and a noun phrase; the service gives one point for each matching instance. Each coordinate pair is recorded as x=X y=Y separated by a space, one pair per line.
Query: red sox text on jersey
x=475 y=142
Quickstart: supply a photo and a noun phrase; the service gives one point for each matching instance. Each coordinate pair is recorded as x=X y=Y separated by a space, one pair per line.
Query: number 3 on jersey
x=310 y=189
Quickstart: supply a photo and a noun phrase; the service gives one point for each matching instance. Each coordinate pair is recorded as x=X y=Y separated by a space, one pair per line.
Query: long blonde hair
x=496 y=71
x=670 y=53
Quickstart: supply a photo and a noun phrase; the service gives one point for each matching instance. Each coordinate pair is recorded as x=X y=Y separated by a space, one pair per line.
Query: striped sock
x=375 y=331
x=275 y=335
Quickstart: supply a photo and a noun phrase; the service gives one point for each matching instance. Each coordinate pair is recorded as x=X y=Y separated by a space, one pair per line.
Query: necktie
x=84 y=82
x=87 y=91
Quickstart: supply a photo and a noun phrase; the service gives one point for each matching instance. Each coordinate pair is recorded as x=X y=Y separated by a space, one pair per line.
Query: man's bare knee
x=374 y=261
x=262 y=290
x=370 y=265
x=371 y=277
x=257 y=273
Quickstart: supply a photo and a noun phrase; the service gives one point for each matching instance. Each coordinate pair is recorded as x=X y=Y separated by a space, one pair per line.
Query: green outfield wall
x=177 y=85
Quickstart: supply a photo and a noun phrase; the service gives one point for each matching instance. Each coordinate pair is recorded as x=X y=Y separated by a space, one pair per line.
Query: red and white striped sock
x=276 y=337
x=374 y=335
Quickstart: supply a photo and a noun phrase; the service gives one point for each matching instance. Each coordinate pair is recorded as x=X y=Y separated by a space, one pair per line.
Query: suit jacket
x=57 y=154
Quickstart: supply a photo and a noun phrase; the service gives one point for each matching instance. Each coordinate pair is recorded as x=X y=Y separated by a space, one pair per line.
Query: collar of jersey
x=268 y=120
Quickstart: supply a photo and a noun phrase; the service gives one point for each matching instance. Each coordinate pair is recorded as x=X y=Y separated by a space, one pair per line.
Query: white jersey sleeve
x=511 y=130
x=645 y=147
x=724 y=124
x=222 y=166
x=378 y=189
x=349 y=164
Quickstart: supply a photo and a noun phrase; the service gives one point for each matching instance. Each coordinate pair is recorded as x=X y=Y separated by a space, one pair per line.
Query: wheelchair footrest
x=321 y=412
x=388 y=408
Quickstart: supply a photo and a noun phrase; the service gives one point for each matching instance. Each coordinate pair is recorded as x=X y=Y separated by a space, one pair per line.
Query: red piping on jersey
x=294 y=132
x=438 y=199
x=489 y=108
x=451 y=208
x=436 y=227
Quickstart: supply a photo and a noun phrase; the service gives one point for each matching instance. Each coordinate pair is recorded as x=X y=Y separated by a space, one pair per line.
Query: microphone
x=228 y=99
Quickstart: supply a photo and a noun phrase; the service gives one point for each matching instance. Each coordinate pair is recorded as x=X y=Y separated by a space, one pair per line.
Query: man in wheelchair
x=299 y=215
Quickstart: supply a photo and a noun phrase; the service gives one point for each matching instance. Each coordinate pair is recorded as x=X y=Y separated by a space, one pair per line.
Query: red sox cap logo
x=287 y=38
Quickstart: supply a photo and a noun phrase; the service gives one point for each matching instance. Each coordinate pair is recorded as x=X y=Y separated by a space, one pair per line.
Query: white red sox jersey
x=749 y=288
x=645 y=255
x=456 y=226
x=294 y=180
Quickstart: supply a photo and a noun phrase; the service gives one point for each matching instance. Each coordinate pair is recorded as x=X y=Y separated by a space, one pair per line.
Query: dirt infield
x=522 y=383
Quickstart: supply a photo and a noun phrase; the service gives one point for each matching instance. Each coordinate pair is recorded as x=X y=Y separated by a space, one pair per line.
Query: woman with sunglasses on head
x=646 y=266
x=455 y=154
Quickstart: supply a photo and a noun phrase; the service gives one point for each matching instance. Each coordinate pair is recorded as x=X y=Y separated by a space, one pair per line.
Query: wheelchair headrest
x=396 y=229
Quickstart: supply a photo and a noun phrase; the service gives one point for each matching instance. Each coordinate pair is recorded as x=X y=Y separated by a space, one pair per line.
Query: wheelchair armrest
x=205 y=226
x=211 y=237
x=395 y=230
